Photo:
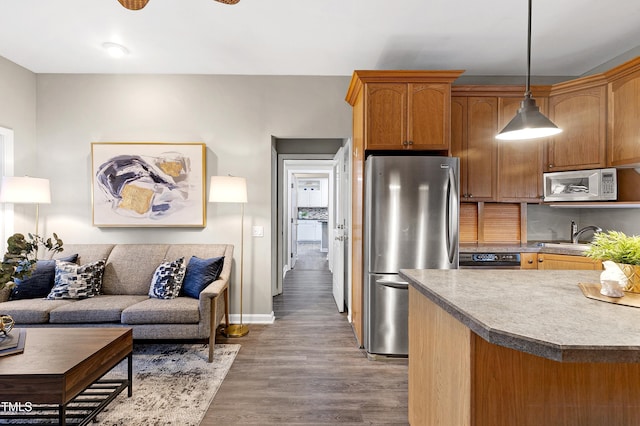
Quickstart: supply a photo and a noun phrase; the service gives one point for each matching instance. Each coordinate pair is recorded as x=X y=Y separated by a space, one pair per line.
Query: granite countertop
x=533 y=247
x=540 y=312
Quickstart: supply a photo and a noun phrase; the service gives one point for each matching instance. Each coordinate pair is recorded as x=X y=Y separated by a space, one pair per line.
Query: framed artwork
x=148 y=184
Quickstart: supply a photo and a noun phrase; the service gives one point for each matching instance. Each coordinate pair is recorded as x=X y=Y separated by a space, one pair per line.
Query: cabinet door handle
x=530 y=261
x=540 y=260
x=550 y=165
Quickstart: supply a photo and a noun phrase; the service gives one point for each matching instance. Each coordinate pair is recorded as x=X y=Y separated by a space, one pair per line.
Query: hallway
x=306 y=369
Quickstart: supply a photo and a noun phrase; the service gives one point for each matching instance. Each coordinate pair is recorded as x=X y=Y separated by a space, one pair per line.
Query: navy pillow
x=41 y=280
x=201 y=273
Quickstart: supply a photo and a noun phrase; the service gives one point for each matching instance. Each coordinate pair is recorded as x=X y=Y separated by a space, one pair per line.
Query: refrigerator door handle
x=452 y=214
x=393 y=283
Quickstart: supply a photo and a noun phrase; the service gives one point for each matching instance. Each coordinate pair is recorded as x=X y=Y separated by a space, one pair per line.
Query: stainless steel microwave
x=581 y=185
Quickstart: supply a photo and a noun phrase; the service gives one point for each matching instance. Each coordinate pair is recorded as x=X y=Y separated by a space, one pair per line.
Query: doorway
x=303 y=225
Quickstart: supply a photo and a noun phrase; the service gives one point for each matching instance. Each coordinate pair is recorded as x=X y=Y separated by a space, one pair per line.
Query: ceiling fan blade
x=228 y=1
x=134 y=4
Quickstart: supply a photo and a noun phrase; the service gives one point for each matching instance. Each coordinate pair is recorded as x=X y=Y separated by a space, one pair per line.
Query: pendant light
x=529 y=122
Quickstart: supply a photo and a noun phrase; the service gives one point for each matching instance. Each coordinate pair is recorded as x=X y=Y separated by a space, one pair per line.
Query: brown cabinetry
x=563 y=261
x=528 y=260
x=474 y=121
x=519 y=174
x=492 y=170
x=579 y=108
x=407 y=116
x=623 y=112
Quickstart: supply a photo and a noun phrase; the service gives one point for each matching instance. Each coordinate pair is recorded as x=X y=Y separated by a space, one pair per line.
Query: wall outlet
x=257 y=231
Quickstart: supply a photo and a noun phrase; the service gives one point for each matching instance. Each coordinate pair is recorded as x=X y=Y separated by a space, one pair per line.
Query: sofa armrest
x=5 y=293
x=207 y=306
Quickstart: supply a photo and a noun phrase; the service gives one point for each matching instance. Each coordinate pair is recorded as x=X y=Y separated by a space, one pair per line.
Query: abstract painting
x=148 y=184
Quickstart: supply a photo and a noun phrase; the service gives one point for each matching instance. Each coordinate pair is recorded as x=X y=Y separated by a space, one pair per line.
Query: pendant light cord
x=528 y=81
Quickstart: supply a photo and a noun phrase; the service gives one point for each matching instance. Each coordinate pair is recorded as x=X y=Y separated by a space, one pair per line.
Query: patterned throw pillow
x=167 y=279
x=40 y=282
x=77 y=281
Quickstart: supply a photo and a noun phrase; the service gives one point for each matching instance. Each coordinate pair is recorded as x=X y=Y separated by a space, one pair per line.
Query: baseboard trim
x=253 y=318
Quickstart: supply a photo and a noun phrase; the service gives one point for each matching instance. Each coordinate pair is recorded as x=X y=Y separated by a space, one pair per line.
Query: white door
x=293 y=215
x=338 y=231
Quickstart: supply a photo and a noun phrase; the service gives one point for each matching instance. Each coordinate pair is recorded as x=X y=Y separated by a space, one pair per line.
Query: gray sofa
x=124 y=300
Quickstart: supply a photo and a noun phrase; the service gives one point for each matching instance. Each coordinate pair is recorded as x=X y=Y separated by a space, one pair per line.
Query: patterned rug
x=173 y=384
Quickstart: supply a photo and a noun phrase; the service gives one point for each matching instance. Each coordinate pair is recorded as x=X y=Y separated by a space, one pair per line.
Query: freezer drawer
x=387 y=311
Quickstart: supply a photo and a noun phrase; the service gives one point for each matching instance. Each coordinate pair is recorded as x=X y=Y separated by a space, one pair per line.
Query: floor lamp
x=26 y=190
x=232 y=189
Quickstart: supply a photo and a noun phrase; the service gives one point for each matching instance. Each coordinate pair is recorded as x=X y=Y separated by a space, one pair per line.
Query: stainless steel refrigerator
x=411 y=222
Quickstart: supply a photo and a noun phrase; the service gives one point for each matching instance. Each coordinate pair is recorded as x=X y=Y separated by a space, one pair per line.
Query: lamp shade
x=25 y=190
x=529 y=123
x=228 y=189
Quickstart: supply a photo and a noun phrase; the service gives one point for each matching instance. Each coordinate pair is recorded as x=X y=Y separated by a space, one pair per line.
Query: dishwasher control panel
x=489 y=260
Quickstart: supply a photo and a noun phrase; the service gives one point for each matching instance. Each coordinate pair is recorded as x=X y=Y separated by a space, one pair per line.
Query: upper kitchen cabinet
x=623 y=111
x=404 y=110
x=473 y=130
x=579 y=108
x=519 y=174
x=493 y=170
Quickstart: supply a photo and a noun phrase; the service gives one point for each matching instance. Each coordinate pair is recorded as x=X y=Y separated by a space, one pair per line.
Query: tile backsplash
x=313 y=213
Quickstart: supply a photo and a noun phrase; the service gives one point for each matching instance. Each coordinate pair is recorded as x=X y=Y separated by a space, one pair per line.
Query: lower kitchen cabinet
x=564 y=261
x=528 y=260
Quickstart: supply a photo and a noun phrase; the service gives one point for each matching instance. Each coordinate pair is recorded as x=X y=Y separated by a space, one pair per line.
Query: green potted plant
x=22 y=254
x=622 y=249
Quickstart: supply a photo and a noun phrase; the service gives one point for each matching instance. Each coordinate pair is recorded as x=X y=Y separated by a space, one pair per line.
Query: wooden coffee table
x=62 y=367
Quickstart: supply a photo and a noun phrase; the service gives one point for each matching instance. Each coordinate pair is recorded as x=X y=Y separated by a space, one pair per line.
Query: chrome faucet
x=576 y=234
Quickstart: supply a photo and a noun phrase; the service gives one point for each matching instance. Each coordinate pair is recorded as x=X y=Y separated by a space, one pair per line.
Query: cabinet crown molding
x=596 y=80
x=361 y=77
x=623 y=70
x=509 y=90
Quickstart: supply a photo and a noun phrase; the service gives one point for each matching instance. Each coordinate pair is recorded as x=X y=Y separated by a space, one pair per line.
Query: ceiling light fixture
x=139 y=4
x=115 y=50
x=529 y=122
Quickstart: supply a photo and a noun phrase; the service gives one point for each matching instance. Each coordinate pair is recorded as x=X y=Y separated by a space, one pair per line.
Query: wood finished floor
x=306 y=369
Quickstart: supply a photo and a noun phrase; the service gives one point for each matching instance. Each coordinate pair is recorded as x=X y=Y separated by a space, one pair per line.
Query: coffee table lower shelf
x=81 y=410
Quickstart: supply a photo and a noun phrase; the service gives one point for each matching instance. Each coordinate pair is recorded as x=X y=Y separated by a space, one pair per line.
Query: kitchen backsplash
x=313 y=213
x=546 y=223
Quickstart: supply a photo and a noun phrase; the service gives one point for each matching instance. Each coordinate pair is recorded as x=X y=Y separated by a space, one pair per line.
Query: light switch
x=257 y=231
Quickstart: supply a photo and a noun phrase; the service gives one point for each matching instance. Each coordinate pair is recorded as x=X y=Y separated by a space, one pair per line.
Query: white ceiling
x=317 y=37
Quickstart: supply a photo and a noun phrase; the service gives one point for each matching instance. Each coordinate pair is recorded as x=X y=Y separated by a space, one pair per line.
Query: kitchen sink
x=578 y=247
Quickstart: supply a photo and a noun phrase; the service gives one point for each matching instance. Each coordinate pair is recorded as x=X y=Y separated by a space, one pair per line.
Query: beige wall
x=18 y=113
x=235 y=116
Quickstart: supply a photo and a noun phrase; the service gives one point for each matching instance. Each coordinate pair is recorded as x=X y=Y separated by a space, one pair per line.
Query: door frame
x=292 y=167
x=280 y=201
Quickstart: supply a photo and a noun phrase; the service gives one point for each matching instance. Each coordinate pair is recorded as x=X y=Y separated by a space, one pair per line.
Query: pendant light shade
x=529 y=122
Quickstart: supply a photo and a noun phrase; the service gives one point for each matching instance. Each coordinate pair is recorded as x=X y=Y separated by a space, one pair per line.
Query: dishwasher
x=489 y=260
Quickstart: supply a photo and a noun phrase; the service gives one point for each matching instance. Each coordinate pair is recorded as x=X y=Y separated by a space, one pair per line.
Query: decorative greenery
x=22 y=254
x=615 y=246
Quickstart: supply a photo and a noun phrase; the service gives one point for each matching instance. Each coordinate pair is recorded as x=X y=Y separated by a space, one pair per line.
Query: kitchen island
x=509 y=347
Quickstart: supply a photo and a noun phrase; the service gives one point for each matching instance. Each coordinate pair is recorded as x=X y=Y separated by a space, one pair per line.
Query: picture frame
x=148 y=184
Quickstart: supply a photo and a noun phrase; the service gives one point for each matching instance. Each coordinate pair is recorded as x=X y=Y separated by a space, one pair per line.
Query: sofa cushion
x=31 y=311
x=181 y=310
x=41 y=280
x=77 y=282
x=167 y=279
x=94 y=310
x=130 y=268
x=200 y=273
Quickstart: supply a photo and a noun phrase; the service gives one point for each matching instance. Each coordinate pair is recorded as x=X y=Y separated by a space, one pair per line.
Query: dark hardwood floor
x=306 y=369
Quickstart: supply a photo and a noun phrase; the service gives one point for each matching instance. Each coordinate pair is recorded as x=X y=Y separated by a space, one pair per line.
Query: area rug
x=173 y=384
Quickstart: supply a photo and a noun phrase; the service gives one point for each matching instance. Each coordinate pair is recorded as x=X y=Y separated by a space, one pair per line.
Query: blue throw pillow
x=41 y=280
x=201 y=273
